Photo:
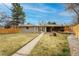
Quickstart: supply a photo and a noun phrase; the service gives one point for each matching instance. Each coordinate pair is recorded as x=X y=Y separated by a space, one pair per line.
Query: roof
x=40 y=26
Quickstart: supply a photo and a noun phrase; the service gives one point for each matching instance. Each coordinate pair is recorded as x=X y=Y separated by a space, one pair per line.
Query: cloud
x=6 y=4
x=37 y=9
x=33 y=16
x=66 y=13
x=40 y=8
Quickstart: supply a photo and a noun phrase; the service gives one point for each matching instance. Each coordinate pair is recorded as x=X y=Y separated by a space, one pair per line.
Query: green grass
x=10 y=43
x=52 y=46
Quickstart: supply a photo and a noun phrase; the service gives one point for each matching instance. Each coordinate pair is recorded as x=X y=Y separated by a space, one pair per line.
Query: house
x=36 y=28
x=41 y=28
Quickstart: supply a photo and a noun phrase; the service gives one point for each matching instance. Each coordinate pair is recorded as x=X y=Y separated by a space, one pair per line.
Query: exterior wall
x=29 y=29
x=76 y=30
x=33 y=29
x=41 y=29
x=38 y=29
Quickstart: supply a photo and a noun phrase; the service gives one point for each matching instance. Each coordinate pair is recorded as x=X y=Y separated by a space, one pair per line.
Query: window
x=27 y=27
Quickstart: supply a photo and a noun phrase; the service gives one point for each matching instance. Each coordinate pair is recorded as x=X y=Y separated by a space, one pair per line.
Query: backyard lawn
x=50 y=45
x=10 y=43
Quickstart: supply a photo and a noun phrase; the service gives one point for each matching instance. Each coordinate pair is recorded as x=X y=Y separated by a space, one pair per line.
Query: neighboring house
x=41 y=28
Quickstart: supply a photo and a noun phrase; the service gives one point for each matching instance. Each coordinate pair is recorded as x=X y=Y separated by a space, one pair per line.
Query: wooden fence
x=10 y=30
x=76 y=30
x=68 y=30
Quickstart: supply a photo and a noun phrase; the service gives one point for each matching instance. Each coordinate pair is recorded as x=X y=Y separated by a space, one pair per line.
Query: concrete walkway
x=27 y=48
x=74 y=45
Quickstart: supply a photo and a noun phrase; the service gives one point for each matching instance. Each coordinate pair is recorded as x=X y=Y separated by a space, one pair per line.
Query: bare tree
x=4 y=19
x=74 y=7
x=42 y=22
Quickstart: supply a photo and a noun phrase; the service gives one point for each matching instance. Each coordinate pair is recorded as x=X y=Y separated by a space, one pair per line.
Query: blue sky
x=38 y=12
